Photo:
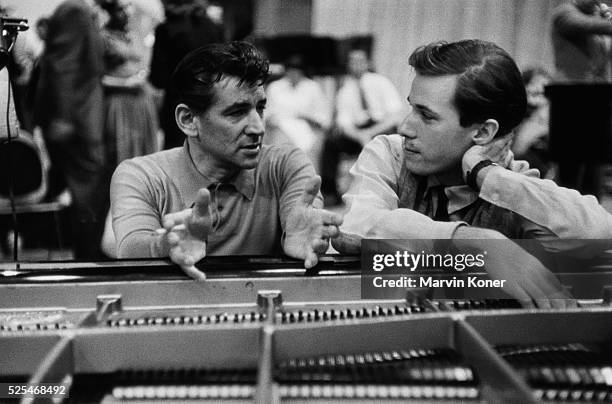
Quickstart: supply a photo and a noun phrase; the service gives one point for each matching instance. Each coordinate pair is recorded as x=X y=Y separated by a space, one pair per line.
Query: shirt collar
x=244 y=181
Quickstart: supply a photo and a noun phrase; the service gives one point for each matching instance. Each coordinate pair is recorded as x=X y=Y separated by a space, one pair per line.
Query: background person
x=297 y=110
x=581 y=35
x=187 y=27
x=70 y=111
x=367 y=104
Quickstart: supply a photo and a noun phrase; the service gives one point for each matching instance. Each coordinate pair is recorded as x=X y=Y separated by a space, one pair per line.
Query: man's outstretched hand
x=308 y=229
x=526 y=278
x=185 y=234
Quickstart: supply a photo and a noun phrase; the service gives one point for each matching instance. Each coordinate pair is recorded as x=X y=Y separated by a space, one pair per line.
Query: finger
x=311 y=260
x=547 y=291
x=570 y=303
x=558 y=303
x=527 y=303
x=173 y=219
x=320 y=246
x=509 y=156
x=543 y=303
x=311 y=189
x=199 y=226
x=330 y=232
x=193 y=272
x=175 y=235
x=517 y=292
x=563 y=300
x=506 y=148
x=330 y=218
x=509 y=139
x=202 y=202
x=543 y=282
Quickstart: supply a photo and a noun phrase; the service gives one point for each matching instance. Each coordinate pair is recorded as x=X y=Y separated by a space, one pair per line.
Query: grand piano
x=264 y=330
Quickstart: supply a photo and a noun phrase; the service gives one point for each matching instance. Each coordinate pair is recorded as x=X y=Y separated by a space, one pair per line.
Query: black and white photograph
x=305 y=201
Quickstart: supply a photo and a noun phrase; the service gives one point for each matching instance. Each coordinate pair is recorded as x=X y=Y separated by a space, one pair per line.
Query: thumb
x=199 y=223
x=311 y=189
x=202 y=201
x=311 y=259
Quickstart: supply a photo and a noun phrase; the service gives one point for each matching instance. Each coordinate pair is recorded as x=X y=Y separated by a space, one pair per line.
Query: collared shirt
x=381 y=98
x=386 y=201
x=249 y=212
x=300 y=112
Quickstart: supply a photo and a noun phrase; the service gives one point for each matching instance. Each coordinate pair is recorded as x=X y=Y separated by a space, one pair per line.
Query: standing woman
x=131 y=117
x=131 y=123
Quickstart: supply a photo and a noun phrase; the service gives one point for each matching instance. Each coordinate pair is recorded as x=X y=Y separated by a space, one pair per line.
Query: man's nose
x=255 y=124
x=406 y=128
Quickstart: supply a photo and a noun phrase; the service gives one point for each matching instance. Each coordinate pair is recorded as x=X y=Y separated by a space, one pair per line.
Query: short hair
x=489 y=85
x=193 y=79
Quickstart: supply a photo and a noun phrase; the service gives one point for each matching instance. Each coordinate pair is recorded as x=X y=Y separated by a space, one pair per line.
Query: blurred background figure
x=145 y=16
x=297 y=110
x=70 y=110
x=26 y=53
x=581 y=35
x=531 y=136
x=131 y=127
x=367 y=104
x=187 y=27
x=131 y=116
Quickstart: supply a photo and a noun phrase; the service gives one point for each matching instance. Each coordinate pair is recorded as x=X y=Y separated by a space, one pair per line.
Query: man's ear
x=485 y=132
x=186 y=120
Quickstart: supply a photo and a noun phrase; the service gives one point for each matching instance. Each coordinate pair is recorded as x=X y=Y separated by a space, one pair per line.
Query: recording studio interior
x=326 y=201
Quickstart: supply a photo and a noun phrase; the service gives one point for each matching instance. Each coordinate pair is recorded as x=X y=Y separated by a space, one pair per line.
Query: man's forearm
x=143 y=244
x=563 y=211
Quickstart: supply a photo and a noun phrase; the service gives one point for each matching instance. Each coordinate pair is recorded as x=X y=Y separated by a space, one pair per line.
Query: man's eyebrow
x=237 y=105
x=422 y=107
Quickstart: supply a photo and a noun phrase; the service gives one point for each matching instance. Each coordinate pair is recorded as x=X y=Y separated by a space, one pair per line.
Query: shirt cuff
x=491 y=190
x=446 y=230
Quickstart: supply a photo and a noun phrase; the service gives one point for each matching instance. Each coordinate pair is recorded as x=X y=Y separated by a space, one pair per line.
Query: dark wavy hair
x=489 y=84
x=193 y=79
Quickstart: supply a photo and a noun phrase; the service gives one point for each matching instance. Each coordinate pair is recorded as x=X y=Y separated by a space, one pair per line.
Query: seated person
x=450 y=167
x=222 y=193
x=297 y=110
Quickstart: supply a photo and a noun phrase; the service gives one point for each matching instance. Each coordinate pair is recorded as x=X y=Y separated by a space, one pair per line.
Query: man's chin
x=417 y=168
x=249 y=162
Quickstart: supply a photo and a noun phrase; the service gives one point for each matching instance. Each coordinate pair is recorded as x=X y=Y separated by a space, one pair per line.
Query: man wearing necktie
x=367 y=104
x=449 y=174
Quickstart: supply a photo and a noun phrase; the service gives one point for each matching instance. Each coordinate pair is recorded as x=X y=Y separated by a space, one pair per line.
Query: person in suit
x=69 y=108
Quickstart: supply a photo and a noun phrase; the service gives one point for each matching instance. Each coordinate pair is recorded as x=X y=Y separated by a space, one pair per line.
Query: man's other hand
x=527 y=279
x=308 y=229
x=497 y=150
x=185 y=234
